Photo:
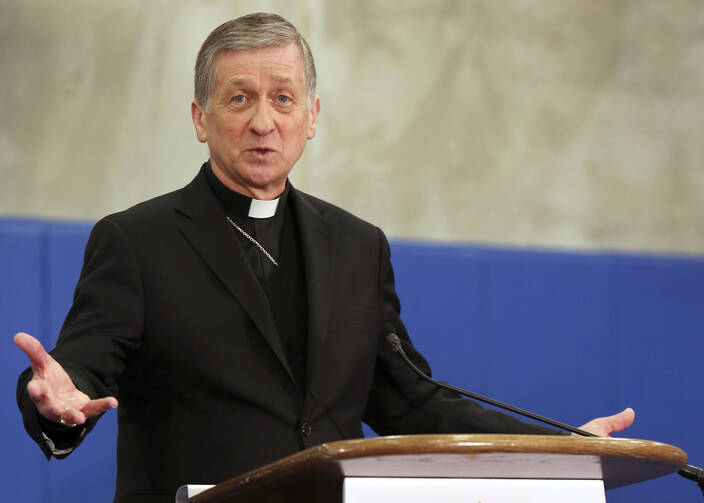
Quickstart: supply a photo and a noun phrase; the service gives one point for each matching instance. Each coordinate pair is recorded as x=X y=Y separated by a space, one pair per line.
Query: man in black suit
x=238 y=319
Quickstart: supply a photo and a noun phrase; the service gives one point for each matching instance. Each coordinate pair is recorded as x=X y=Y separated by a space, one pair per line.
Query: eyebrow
x=282 y=80
x=237 y=82
x=241 y=81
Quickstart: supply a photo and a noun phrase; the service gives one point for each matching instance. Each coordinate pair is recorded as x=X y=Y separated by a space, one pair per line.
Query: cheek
x=297 y=134
x=295 y=142
x=230 y=134
x=229 y=126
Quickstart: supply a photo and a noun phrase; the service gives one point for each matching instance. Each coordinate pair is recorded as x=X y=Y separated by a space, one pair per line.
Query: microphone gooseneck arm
x=690 y=472
x=395 y=344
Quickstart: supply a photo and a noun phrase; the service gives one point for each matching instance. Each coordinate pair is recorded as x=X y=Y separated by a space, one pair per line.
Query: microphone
x=395 y=344
x=695 y=474
x=689 y=472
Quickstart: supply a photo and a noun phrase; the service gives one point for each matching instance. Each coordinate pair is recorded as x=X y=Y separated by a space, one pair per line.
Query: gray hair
x=253 y=31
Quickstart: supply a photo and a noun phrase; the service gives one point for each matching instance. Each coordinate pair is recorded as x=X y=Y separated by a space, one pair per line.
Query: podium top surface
x=618 y=462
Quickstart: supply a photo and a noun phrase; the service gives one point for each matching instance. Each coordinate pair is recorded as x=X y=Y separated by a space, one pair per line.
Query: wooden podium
x=330 y=472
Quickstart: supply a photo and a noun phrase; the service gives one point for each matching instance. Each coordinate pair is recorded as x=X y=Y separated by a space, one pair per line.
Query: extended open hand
x=52 y=390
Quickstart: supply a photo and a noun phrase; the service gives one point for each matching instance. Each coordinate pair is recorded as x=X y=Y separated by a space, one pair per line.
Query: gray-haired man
x=237 y=320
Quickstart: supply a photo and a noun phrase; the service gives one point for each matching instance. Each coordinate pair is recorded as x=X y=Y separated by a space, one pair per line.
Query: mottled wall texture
x=568 y=123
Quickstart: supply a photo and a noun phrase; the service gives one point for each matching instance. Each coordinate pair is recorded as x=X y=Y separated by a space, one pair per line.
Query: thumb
x=38 y=357
x=622 y=420
x=613 y=424
x=605 y=426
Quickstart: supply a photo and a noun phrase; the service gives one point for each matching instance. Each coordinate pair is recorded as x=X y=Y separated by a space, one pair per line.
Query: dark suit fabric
x=169 y=317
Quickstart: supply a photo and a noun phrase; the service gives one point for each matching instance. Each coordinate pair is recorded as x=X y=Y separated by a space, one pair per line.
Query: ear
x=313 y=117
x=200 y=122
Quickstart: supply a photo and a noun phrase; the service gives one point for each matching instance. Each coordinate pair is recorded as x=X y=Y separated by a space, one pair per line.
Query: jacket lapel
x=317 y=243
x=207 y=230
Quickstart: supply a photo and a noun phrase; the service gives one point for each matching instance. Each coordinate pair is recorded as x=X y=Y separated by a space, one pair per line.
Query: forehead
x=283 y=62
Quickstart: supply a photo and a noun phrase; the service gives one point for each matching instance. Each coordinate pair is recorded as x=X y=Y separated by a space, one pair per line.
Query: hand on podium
x=52 y=390
x=605 y=426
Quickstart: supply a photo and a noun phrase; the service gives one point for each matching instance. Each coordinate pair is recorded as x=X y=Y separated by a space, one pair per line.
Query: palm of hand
x=55 y=395
x=52 y=390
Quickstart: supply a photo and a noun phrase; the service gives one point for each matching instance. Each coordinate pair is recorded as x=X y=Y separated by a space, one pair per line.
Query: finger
x=70 y=416
x=622 y=420
x=98 y=406
x=34 y=350
x=66 y=415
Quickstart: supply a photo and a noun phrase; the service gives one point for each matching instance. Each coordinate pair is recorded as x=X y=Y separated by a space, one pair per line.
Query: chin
x=262 y=176
x=265 y=183
x=261 y=179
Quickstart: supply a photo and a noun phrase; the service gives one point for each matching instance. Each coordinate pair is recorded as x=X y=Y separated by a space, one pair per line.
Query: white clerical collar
x=263 y=209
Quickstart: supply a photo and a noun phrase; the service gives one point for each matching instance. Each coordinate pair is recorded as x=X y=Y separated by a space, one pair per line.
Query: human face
x=258 y=119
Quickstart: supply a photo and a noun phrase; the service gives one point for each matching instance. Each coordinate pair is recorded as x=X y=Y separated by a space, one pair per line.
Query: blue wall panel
x=440 y=304
x=660 y=320
x=548 y=323
x=24 y=468
x=568 y=335
x=65 y=243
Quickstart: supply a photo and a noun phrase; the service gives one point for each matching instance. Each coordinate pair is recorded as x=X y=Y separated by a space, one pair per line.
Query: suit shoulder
x=143 y=220
x=149 y=212
x=339 y=216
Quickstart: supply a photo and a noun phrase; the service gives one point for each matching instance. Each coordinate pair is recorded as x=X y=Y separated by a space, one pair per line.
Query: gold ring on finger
x=63 y=421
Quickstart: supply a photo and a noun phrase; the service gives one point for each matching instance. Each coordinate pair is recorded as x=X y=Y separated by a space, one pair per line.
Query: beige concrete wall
x=574 y=123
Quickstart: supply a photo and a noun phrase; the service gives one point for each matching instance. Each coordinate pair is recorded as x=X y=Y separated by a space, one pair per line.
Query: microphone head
x=394 y=342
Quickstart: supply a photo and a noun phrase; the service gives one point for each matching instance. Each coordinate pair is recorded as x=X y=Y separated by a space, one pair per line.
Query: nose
x=262 y=122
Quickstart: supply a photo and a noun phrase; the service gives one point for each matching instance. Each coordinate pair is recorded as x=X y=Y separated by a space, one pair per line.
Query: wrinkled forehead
x=283 y=61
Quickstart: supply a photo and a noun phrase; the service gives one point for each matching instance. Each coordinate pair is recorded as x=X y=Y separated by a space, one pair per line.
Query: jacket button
x=306 y=429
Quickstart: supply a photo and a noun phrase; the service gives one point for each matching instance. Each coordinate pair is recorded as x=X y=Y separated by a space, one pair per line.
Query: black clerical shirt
x=284 y=285
x=267 y=231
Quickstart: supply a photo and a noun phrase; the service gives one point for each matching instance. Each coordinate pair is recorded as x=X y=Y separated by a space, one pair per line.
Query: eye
x=283 y=99
x=239 y=99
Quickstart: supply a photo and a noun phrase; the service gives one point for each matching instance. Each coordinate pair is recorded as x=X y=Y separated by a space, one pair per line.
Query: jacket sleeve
x=402 y=403
x=101 y=330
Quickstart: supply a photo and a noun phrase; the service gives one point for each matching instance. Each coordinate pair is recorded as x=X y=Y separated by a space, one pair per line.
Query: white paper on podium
x=185 y=492
x=421 y=490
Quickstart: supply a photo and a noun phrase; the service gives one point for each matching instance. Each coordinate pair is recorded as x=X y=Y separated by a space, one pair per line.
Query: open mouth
x=261 y=154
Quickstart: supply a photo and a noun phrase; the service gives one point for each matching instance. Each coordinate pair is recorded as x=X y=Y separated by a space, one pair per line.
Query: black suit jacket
x=169 y=317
